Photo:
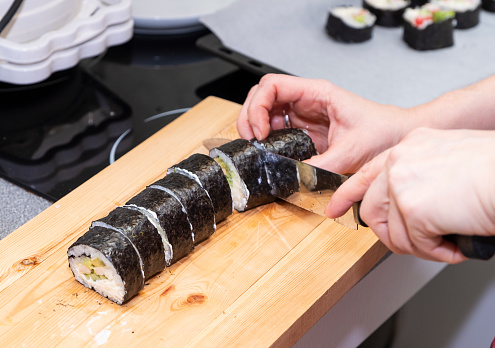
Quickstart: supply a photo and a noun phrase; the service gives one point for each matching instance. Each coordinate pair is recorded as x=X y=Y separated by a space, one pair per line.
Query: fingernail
x=257 y=133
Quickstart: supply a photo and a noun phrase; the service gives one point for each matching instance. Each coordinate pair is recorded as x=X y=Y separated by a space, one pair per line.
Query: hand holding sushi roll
x=432 y=184
x=348 y=130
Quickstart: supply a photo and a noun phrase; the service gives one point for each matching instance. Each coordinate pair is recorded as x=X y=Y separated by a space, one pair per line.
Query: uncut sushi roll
x=106 y=261
x=467 y=12
x=350 y=24
x=428 y=27
x=169 y=217
x=388 y=12
x=194 y=201
x=242 y=164
x=488 y=5
x=141 y=233
x=294 y=143
x=208 y=173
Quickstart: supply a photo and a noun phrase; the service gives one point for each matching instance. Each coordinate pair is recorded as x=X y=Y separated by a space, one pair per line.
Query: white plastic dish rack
x=98 y=25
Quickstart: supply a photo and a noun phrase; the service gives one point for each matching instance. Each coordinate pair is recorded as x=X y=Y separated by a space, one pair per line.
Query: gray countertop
x=18 y=206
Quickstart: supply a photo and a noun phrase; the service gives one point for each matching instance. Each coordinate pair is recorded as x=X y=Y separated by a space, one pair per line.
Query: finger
x=438 y=248
x=330 y=160
x=243 y=126
x=354 y=189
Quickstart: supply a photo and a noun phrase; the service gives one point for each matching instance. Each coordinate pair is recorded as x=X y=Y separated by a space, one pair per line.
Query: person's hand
x=433 y=183
x=348 y=130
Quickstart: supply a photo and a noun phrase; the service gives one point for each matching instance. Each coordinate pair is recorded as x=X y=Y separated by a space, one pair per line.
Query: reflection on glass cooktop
x=57 y=134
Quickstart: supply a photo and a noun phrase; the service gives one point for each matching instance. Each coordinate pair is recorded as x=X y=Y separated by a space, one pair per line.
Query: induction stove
x=58 y=133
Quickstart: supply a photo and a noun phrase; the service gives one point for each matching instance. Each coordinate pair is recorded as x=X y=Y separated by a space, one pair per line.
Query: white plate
x=172 y=16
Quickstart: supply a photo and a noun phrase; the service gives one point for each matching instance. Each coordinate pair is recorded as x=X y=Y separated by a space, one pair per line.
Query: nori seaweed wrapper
x=294 y=143
x=337 y=29
x=434 y=36
x=282 y=175
x=195 y=201
x=468 y=19
x=488 y=5
x=386 y=18
x=212 y=179
x=142 y=234
x=417 y=3
x=172 y=218
x=248 y=160
x=120 y=252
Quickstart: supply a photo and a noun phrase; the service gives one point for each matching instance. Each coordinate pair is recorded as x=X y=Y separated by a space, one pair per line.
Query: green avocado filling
x=226 y=170
x=91 y=264
x=360 y=18
x=439 y=16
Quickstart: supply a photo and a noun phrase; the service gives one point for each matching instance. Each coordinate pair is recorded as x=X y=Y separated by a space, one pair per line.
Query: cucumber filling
x=94 y=268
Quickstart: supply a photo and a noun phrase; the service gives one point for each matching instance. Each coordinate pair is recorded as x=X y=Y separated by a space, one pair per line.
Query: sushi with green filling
x=106 y=261
x=467 y=12
x=208 y=173
x=350 y=24
x=428 y=27
x=195 y=202
x=141 y=233
x=242 y=164
x=169 y=217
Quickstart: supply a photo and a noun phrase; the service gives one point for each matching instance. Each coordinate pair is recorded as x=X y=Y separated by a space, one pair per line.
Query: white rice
x=390 y=5
x=347 y=14
x=458 y=5
x=113 y=287
x=238 y=189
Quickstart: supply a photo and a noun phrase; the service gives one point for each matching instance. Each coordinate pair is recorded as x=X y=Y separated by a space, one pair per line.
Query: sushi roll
x=166 y=213
x=467 y=12
x=141 y=233
x=417 y=3
x=242 y=164
x=388 y=12
x=294 y=143
x=488 y=5
x=428 y=27
x=194 y=201
x=350 y=24
x=283 y=175
x=106 y=261
x=209 y=175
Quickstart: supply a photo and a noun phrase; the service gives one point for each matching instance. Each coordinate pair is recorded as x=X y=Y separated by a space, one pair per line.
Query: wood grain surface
x=264 y=278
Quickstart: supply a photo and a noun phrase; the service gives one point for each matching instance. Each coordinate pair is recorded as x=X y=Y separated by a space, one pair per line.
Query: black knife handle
x=473 y=247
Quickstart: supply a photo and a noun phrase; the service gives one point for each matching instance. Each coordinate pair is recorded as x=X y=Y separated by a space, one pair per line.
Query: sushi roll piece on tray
x=141 y=233
x=388 y=12
x=467 y=12
x=350 y=24
x=208 y=173
x=488 y=5
x=194 y=201
x=169 y=217
x=106 y=261
x=428 y=27
x=242 y=164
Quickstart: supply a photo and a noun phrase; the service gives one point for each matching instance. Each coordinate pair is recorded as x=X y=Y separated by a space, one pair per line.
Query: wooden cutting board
x=264 y=278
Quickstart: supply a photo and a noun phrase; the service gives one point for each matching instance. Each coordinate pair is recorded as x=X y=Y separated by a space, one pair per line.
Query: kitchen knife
x=316 y=187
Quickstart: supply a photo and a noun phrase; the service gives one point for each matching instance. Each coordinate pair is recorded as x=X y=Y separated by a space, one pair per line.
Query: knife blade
x=317 y=187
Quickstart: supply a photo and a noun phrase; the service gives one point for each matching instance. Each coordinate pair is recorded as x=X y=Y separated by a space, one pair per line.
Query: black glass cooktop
x=57 y=134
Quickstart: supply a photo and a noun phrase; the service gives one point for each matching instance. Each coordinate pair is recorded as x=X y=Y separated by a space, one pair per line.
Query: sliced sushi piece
x=388 y=12
x=195 y=202
x=141 y=233
x=106 y=261
x=467 y=12
x=295 y=143
x=428 y=27
x=242 y=164
x=208 y=173
x=350 y=24
x=488 y=5
x=170 y=219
